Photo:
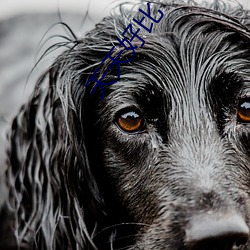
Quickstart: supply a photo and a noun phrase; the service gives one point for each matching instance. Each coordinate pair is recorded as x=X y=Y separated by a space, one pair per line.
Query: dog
x=162 y=162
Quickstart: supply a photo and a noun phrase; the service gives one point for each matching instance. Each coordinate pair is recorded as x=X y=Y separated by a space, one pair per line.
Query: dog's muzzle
x=217 y=232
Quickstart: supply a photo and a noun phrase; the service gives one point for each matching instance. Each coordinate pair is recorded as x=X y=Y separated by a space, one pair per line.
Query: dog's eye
x=130 y=121
x=243 y=113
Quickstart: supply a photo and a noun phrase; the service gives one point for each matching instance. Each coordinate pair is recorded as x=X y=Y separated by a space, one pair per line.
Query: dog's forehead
x=192 y=56
x=188 y=54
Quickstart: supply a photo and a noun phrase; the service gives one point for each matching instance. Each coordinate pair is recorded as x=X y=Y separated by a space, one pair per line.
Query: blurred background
x=25 y=26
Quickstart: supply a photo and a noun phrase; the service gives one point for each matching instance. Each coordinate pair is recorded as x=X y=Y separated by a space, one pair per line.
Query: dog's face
x=174 y=135
x=162 y=162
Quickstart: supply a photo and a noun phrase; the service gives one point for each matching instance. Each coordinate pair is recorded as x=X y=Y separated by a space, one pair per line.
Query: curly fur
x=76 y=181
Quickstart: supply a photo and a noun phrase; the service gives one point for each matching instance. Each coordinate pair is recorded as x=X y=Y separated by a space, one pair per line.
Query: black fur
x=77 y=181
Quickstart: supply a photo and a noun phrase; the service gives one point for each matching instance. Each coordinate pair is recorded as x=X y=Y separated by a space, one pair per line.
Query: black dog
x=162 y=162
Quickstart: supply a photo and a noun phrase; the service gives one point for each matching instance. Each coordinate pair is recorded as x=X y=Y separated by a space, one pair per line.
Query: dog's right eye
x=130 y=121
x=243 y=113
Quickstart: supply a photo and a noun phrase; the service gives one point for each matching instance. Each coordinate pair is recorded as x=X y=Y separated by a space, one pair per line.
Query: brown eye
x=243 y=113
x=130 y=121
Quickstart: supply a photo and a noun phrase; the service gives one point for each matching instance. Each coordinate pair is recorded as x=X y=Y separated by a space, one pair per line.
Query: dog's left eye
x=130 y=121
x=243 y=113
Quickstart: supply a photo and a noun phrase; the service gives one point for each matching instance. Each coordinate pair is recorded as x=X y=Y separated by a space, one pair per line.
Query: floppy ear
x=54 y=199
x=51 y=186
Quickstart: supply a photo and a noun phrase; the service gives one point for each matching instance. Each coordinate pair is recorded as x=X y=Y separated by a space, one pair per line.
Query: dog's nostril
x=240 y=241
x=217 y=232
x=223 y=242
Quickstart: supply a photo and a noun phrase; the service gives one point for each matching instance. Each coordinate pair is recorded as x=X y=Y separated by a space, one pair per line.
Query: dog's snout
x=217 y=232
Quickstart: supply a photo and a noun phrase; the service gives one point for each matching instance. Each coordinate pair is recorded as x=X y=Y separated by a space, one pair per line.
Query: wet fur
x=76 y=181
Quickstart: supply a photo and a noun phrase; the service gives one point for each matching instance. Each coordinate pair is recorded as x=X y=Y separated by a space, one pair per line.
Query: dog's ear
x=53 y=198
x=51 y=186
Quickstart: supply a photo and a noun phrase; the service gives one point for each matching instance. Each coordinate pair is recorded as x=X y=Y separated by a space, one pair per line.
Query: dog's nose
x=217 y=232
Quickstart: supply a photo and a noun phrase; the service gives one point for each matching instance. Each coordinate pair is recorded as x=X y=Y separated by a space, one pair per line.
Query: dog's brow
x=128 y=29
